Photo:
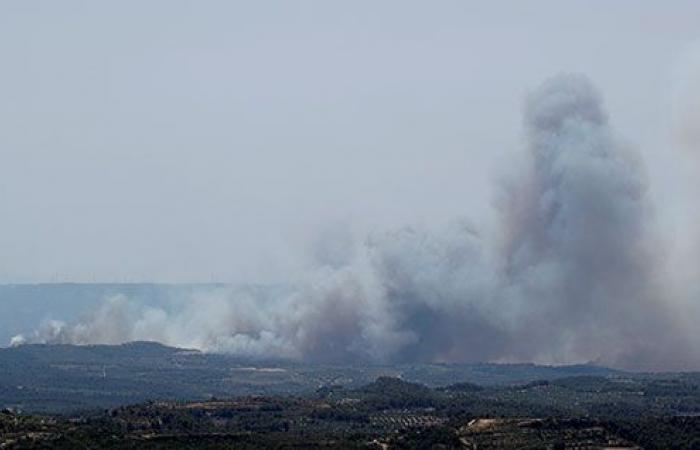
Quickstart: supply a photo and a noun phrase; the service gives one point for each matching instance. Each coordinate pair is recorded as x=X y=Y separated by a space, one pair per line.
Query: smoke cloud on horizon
x=576 y=273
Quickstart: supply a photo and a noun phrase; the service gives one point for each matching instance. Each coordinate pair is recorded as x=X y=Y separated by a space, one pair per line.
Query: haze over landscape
x=383 y=183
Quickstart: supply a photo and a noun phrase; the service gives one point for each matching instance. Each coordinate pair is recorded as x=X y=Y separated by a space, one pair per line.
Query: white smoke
x=574 y=277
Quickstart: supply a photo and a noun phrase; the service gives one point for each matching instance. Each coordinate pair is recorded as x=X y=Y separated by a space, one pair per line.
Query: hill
x=387 y=413
x=64 y=378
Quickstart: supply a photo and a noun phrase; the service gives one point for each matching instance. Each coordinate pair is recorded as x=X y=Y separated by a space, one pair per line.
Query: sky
x=183 y=141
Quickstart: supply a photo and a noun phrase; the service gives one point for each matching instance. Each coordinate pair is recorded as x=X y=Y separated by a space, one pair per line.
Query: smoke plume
x=574 y=276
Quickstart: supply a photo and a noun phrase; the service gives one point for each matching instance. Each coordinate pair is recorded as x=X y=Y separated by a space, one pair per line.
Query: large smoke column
x=578 y=257
x=573 y=279
x=685 y=128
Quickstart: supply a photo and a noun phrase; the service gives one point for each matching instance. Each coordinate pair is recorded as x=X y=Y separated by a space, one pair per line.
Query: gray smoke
x=687 y=101
x=579 y=254
x=685 y=127
x=574 y=276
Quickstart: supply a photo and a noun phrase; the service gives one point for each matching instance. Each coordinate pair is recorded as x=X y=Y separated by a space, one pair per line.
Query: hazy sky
x=185 y=141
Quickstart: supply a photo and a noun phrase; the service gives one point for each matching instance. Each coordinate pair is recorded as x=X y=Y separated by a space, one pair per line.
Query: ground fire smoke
x=574 y=276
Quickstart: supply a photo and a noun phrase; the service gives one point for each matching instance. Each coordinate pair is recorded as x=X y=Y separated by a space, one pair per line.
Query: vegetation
x=65 y=378
x=571 y=412
x=208 y=401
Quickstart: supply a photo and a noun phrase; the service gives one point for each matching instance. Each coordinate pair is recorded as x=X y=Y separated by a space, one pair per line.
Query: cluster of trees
x=348 y=418
x=661 y=433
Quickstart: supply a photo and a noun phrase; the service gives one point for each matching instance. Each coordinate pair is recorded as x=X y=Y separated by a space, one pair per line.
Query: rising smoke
x=574 y=276
x=685 y=133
